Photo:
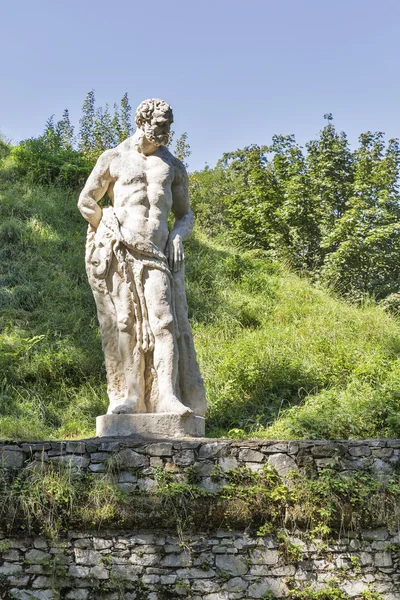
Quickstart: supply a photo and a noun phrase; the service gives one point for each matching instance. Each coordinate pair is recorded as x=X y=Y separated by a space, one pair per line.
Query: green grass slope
x=280 y=358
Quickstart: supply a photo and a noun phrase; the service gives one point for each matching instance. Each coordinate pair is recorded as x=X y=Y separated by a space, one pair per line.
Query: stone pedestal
x=159 y=425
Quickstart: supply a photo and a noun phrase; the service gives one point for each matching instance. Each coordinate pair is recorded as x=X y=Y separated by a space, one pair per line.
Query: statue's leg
x=131 y=357
x=157 y=291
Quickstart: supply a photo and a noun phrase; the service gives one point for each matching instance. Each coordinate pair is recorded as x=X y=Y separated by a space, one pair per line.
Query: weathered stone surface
x=264 y=557
x=37 y=556
x=205 y=586
x=148 y=311
x=259 y=590
x=251 y=455
x=210 y=563
x=129 y=458
x=282 y=463
x=228 y=463
x=327 y=450
x=99 y=572
x=213 y=449
x=69 y=460
x=159 y=449
x=11 y=459
x=360 y=451
x=275 y=448
x=163 y=425
x=231 y=564
x=79 y=571
x=10 y=568
x=383 y=559
x=184 y=458
x=76 y=447
x=228 y=565
x=176 y=560
x=375 y=534
x=87 y=557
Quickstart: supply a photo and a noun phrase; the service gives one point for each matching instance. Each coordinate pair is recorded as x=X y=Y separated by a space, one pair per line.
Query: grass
x=53 y=499
x=280 y=358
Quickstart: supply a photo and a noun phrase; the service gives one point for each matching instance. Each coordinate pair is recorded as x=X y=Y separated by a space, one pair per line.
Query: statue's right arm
x=95 y=188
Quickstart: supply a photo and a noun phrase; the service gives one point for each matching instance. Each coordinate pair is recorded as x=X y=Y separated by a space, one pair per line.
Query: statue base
x=161 y=425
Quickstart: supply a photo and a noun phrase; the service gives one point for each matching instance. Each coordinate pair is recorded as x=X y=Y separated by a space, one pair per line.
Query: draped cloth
x=113 y=247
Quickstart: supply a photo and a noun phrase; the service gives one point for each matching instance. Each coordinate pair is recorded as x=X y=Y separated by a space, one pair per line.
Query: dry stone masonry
x=224 y=565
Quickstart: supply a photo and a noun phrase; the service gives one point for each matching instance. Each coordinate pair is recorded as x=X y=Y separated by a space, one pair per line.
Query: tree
x=296 y=234
x=51 y=136
x=182 y=148
x=330 y=168
x=116 y=124
x=251 y=196
x=125 y=118
x=86 y=131
x=65 y=130
x=366 y=238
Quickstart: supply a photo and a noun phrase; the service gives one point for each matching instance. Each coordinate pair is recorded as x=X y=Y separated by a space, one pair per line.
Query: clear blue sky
x=235 y=72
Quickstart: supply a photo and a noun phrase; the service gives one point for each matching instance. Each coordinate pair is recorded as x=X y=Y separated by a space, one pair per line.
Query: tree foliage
x=327 y=211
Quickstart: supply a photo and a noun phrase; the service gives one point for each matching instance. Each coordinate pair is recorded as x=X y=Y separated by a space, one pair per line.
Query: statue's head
x=154 y=118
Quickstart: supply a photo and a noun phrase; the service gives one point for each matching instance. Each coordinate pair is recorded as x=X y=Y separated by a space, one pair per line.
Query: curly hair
x=146 y=110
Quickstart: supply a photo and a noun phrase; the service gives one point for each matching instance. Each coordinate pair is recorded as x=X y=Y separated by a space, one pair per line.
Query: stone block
x=205 y=586
x=382 y=452
x=250 y=455
x=275 y=448
x=194 y=573
x=76 y=447
x=231 y=564
x=159 y=449
x=184 y=458
x=78 y=571
x=383 y=559
x=11 y=459
x=86 y=557
x=379 y=535
x=99 y=572
x=130 y=459
x=176 y=560
x=228 y=463
x=264 y=557
x=358 y=451
x=97 y=468
x=260 y=589
x=70 y=460
x=37 y=556
x=157 y=425
x=79 y=594
x=282 y=463
x=327 y=450
x=213 y=449
x=99 y=457
x=10 y=568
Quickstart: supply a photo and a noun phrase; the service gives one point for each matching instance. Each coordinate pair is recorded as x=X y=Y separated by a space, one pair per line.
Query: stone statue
x=135 y=267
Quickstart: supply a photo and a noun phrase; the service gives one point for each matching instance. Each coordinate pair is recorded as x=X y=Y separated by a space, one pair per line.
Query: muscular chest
x=138 y=171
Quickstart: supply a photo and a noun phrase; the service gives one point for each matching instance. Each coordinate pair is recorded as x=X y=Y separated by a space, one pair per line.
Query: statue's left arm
x=184 y=218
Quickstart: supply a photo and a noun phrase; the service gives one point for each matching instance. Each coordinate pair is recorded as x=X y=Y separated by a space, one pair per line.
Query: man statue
x=135 y=267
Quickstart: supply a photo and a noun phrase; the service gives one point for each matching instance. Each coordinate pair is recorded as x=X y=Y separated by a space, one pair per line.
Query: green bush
x=42 y=163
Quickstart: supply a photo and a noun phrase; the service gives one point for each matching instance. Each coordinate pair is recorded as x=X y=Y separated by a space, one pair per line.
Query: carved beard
x=159 y=140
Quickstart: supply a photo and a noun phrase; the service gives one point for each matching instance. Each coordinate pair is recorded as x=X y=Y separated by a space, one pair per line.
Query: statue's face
x=157 y=131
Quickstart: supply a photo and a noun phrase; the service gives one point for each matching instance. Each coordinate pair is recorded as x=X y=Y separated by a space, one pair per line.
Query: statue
x=135 y=267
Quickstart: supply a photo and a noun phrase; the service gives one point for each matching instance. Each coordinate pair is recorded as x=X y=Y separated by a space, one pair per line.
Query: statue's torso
x=141 y=192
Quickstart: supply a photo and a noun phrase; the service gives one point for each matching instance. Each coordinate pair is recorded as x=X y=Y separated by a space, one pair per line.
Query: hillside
x=280 y=358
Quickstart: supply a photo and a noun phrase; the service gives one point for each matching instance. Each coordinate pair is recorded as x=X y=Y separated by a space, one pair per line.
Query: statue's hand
x=174 y=252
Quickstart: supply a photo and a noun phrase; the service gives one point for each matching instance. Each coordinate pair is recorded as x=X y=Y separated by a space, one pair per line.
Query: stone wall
x=225 y=565
x=203 y=455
